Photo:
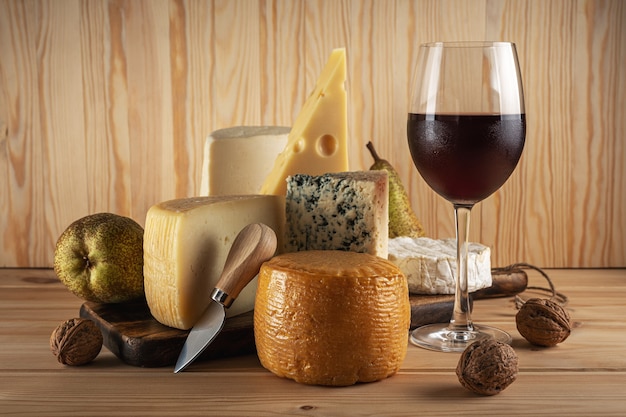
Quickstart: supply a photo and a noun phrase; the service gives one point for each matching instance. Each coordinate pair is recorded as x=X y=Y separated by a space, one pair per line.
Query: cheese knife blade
x=255 y=244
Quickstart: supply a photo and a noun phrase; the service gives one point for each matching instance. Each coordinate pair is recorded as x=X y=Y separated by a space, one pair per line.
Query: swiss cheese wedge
x=317 y=143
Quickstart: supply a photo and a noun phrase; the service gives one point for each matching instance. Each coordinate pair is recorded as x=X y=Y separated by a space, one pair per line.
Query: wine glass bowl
x=469 y=170
x=466 y=131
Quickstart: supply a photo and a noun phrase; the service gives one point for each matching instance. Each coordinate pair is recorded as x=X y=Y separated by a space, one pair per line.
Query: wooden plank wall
x=104 y=106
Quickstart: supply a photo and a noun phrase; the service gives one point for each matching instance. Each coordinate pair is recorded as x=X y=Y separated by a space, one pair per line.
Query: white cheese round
x=430 y=265
x=237 y=159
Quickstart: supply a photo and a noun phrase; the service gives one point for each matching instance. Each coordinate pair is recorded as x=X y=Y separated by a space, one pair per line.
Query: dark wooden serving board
x=134 y=336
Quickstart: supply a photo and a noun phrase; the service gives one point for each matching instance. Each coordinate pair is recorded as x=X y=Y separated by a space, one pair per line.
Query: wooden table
x=584 y=376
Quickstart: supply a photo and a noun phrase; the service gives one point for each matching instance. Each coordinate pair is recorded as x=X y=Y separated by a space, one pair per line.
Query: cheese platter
x=135 y=337
x=186 y=240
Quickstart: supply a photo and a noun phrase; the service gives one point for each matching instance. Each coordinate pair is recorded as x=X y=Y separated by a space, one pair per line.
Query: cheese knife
x=255 y=244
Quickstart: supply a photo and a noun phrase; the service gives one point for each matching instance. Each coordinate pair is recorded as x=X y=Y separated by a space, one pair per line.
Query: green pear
x=100 y=258
x=402 y=218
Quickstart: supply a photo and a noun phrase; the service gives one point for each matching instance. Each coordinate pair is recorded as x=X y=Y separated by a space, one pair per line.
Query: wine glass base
x=441 y=338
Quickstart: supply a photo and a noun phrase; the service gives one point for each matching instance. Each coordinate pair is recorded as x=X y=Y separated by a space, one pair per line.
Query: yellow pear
x=402 y=218
x=100 y=258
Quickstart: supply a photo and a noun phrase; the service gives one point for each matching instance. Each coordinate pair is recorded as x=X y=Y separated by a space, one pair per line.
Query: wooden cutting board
x=134 y=336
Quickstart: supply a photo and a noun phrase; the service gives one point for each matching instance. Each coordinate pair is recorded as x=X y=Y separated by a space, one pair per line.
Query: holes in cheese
x=331 y=317
x=186 y=242
x=327 y=145
x=317 y=142
x=298 y=147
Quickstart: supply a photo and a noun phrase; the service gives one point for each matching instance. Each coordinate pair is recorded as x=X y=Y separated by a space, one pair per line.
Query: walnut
x=487 y=367
x=543 y=322
x=76 y=342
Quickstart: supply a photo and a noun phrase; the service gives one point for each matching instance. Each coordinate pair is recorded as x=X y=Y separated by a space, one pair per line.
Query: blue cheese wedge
x=338 y=211
x=430 y=265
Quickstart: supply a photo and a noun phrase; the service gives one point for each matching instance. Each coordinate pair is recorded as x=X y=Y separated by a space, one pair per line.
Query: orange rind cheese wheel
x=331 y=317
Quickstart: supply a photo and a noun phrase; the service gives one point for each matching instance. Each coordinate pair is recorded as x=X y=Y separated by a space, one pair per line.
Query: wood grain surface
x=583 y=376
x=105 y=105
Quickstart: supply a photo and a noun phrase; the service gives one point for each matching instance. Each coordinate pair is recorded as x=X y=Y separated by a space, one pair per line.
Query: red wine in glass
x=466 y=158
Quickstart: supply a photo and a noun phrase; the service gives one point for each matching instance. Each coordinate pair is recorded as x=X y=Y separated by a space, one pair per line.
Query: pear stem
x=370 y=146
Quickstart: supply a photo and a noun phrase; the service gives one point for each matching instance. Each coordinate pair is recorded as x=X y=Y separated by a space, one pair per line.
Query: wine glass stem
x=461 y=320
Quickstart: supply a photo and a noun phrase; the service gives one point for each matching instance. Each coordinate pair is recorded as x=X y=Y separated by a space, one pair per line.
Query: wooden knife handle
x=504 y=284
x=255 y=244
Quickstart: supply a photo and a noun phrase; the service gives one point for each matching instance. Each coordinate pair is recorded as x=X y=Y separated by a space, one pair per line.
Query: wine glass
x=466 y=131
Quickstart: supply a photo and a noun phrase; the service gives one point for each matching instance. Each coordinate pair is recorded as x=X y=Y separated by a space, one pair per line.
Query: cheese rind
x=338 y=211
x=318 y=139
x=186 y=242
x=430 y=265
x=238 y=159
x=331 y=317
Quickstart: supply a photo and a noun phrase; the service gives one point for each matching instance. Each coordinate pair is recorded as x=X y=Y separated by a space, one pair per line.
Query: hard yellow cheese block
x=317 y=143
x=238 y=159
x=186 y=242
x=331 y=317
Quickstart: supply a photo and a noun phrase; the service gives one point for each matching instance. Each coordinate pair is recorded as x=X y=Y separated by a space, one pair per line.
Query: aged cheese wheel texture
x=331 y=317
